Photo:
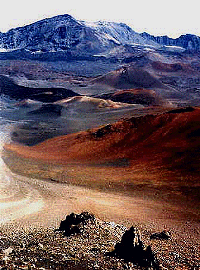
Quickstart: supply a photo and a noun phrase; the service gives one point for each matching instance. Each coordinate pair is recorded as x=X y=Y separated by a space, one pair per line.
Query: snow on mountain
x=64 y=33
x=119 y=33
x=60 y=33
x=64 y=36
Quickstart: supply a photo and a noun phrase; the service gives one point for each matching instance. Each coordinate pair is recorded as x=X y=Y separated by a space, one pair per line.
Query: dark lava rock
x=102 y=131
x=71 y=225
x=182 y=110
x=49 y=110
x=9 y=88
x=132 y=249
x=162 y=235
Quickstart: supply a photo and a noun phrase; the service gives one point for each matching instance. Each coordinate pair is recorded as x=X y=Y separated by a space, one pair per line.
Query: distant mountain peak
x=121 y=33
x=72 y=39
x=189 y=42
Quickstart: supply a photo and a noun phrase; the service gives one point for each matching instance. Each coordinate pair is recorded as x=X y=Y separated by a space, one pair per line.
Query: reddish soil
x=175 y=67
x=170 y=140
x=137 y=96
x=129 y=77
x=152 y=155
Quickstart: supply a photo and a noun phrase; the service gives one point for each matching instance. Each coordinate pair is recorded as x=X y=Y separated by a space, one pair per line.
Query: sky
x=157 y=17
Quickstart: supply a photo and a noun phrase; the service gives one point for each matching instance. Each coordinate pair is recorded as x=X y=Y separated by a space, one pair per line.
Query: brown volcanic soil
x=153 y=155
x=147 y=166
x=173 y=67
x=136 y=96
x=170 y=140
x=129 y=77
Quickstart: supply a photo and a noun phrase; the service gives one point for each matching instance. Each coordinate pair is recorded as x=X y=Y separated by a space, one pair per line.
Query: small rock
x=94 y=249
x=41 y=245
x=8 y=251
x=5 y=258
x=162 y=235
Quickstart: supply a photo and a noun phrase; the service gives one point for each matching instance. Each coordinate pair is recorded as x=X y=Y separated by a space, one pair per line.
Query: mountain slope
x=65 y=37
x=120 y=33
x=129 y=77
x=64 y=33
x=188 y=41
x=169 y=140
x=60 y=33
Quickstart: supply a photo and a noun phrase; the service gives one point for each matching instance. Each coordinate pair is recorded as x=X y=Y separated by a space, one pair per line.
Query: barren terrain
x=117 y=139
x=145 y=156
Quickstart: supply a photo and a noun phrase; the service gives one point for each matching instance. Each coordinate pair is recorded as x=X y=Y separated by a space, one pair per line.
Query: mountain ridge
x=188 y=41
x=70 y=38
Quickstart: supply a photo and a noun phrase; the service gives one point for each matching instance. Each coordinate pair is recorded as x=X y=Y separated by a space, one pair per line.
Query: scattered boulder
x=71 y=225
x=162 y=235
x=132 y=249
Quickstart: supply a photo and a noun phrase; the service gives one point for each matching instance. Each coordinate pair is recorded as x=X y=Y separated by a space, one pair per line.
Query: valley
x=96 y=117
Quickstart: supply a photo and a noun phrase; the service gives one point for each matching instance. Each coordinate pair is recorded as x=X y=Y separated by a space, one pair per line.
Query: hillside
x=135 y=96
x=9 y=88
x=129 y=77
x=169 y=140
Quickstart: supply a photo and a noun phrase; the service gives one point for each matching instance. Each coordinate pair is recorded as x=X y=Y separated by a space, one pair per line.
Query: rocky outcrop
x=43 y=248
x=132 y=249
x=72 y=223
x=164 y=235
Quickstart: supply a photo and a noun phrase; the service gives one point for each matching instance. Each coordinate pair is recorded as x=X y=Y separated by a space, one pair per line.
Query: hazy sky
x=158 y=17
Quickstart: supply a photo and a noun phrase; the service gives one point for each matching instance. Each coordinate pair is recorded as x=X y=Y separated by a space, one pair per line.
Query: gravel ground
x=45 y=248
